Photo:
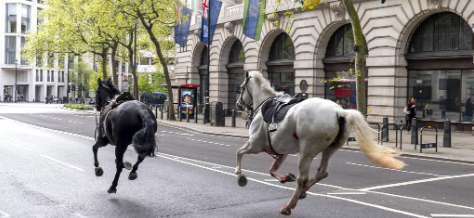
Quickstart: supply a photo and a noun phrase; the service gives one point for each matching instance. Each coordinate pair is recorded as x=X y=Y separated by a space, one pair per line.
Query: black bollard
x=233 y=117
x=168 y=112
x=223 y=116
x=179 y=113
x=414 y=132
x=195 y=115
x=447 y=134
x=385 y=130
x=156 y=112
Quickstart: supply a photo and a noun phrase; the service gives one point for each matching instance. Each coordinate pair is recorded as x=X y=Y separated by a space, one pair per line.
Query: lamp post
x=15 y=88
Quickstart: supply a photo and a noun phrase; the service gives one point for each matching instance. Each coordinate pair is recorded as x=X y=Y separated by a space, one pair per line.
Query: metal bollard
x=447 y=134
x=204 y=112
x=414 y=132
x=156 y=112
x=167 y=112
x=233 y=117
x=385 y=130
x=223 y=116
x=195 y=115
x=187 y=114
x=179 y=113
x=161 y=111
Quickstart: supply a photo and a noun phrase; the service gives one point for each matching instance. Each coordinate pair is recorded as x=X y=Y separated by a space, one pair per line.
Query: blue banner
x=215 y=7
x=181 y=30
x=254 y=15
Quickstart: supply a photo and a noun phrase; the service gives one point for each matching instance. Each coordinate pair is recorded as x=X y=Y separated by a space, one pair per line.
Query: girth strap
x=271 y=147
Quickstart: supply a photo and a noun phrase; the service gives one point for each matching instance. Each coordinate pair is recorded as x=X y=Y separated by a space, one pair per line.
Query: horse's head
x=245 y=98
x=106 y=91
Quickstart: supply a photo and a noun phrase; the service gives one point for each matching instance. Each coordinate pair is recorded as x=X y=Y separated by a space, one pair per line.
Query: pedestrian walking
x=338 y=102
x=410 y=111
x=469 y=110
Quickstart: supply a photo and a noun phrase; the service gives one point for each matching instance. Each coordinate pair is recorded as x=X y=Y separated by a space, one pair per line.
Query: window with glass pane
x=23 y=58
x=144 y=61
x=283 y=82
x=437 y=92
x=342 y=43
x=442 y=32
x=37 y=76
x=41 y=75
x=10 y=49
x=235 y=80
x=11 y=18
x=282 y=48
x=467 y=95
x=341 y=85
x=25 y=18
x=51 y=60
x=52 y=75
x=236 y=53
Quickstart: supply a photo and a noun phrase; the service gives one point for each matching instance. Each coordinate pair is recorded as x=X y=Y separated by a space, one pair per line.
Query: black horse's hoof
x=127 y=165
x=132 y=176
x=112 y=190
x=285 y=211
x=99 y=171
x=290 y=177
x=303 y=195
x=242 y=180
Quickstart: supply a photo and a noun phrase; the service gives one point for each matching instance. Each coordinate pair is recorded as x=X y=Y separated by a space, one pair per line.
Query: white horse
x=310 y=127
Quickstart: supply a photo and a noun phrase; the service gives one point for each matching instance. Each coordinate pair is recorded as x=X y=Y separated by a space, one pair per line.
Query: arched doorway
x=340 y=78
x=235 y=69
x=202 y=76
x=440 y=70
x=280 y=64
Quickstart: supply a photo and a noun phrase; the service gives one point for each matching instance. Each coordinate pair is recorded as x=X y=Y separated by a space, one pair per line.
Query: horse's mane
x=264 y=83
x=107 y=84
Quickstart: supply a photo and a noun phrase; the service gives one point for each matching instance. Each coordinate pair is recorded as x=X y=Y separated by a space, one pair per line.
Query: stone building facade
x=415 y=48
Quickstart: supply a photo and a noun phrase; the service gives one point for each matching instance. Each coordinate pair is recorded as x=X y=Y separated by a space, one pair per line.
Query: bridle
x=242 y=90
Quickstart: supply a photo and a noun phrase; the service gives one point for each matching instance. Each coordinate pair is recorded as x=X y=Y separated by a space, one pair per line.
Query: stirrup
x=272 y=127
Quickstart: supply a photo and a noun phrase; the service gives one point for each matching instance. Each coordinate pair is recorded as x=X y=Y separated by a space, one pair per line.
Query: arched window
x=235 y=69
x=280 y=64
x=442 y=32
x=339 y=67
x=203 y=75
x=440 y=70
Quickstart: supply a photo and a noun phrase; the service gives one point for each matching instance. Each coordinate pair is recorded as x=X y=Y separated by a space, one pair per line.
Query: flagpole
x=208 y=83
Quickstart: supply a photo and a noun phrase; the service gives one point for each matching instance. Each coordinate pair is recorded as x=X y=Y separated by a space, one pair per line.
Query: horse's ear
x=99 y=81
x=246 y=74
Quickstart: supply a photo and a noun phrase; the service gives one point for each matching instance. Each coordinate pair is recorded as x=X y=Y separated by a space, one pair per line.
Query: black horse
x=129 y=122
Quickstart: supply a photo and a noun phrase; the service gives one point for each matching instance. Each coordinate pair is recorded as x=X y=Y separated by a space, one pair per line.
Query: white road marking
x=216 y=167
x=183 y=134
x=74 y=167
x=79 y=215
x=403 y=171
x=4 y=215
x=215 y=143
x=451 y=215
x=271 y=180
x=347 y=193
x=416 y=182
x=309 y=193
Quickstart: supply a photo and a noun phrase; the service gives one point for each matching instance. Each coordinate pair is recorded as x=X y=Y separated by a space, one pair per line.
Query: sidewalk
x=461 y=150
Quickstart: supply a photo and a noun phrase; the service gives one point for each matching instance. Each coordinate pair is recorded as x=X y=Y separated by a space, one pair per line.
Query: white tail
x=379 y=155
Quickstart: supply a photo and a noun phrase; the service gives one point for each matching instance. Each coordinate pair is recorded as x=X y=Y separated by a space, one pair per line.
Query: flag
x=215 y=7
x=181 y=30
x=254 y=15
x=383 y=1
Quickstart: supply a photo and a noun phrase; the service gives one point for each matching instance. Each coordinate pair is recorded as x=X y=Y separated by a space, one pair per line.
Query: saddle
x=275 y=110
x=109 y=106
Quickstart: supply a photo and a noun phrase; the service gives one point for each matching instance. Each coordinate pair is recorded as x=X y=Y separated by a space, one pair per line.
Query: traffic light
x=73 y=87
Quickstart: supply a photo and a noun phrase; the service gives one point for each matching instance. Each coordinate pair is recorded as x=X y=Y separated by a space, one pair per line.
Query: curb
x=343 y=148
x=85 y=111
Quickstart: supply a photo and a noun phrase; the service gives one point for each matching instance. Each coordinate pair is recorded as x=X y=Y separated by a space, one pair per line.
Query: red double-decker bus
x=345 y=91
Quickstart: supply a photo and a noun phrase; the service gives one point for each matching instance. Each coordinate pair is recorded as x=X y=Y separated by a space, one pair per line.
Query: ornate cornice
x=339 y=9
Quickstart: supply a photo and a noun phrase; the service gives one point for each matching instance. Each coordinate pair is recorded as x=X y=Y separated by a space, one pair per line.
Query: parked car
x=92 y=101
x=155 y=98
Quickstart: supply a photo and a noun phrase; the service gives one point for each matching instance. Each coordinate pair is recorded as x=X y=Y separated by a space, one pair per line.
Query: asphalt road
x=46 y=170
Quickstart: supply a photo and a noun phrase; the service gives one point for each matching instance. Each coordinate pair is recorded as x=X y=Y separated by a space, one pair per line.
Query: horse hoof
x=112 y=190
x=290 y=177
x=127 y=165
x=242 y=180
x=132 y=176
x=99 y=171
x=303 y=195
x=285 y=211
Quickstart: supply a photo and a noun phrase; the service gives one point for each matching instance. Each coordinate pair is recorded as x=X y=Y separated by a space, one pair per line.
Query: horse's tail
x=144 y=140
x=379 y=155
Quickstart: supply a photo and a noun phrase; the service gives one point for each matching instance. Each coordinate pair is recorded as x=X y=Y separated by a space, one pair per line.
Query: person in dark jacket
x=411 y=108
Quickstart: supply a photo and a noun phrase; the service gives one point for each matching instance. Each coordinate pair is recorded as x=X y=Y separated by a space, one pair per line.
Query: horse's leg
x=276 y=165
x=119 y=152
x=133 y=174
x=303 y=165
x=95 y=149
x=246 y=149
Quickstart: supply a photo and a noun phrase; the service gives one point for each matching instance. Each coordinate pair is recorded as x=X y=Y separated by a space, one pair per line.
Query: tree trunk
x=359 y=48
x=114 y=69
x=164 y=65
x=134 y=73
x=104 y=63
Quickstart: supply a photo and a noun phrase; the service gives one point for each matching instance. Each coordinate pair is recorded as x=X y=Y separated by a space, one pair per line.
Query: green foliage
x=152 y=82
x=79 y=106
